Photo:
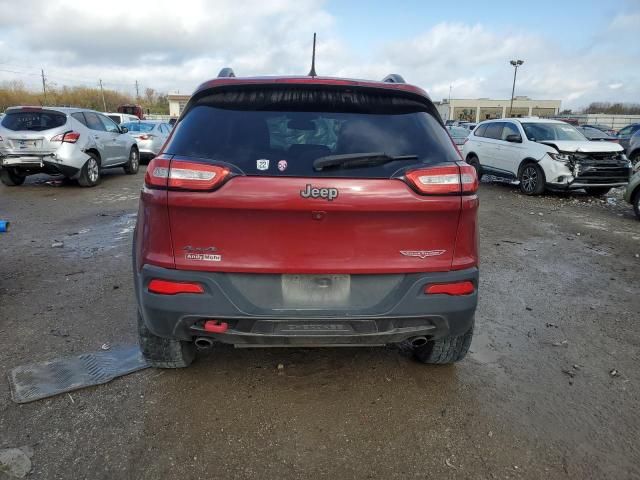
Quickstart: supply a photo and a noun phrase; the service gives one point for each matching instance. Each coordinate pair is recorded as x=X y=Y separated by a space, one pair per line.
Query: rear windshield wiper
x=354 y=160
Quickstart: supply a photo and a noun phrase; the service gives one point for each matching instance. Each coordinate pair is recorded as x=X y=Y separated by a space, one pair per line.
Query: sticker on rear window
x=205 y=257
x=282 y=165
x=262 y=164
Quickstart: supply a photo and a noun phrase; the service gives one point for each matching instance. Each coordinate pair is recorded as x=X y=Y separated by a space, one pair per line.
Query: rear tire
x=475 y=163
x=132 y=166
x=635 y=160
x=164 y=352
x=597 y=191
x=445 y=350
x=636 y=203
x=90 y=173
x=532 y=179
x=10 y=178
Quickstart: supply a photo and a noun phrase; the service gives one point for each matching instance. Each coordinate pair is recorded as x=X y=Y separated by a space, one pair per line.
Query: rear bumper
x=402 y=313
x=50 y=163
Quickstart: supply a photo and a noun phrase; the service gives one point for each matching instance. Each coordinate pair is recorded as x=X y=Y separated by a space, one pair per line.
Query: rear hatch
x=29 y=131
x=251 y=189
x=141 y=131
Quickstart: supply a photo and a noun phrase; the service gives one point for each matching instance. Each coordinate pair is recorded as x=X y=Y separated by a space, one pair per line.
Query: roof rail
x=393 y=78
x=226 y=72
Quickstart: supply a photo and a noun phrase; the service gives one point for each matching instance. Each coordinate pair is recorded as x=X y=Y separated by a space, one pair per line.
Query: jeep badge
x=314 y=192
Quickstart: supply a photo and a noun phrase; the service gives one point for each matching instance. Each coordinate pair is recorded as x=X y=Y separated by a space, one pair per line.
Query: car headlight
x=560 y=157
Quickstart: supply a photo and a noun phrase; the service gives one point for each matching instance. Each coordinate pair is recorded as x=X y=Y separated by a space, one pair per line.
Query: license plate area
x=20 y=144
x=316 y=291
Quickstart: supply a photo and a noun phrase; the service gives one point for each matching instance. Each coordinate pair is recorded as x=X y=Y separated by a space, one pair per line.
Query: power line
x=104 y=104
x=44 y=90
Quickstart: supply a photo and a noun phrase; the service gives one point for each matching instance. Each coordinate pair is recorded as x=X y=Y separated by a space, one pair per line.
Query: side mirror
x=514 y=138
x=124 y=129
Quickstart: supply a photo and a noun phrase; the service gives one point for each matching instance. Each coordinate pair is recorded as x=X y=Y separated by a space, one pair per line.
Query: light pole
x=516 y=64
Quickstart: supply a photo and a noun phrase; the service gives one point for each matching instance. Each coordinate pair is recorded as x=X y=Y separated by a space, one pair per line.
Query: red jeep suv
x=307 y=211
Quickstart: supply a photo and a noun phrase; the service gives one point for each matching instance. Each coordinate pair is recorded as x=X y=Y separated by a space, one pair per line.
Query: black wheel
x=11 y=178
x=475 y=163
x=164 y=352
x=635 y=160
x=636 y=203
x=445 y=350
x=132 y=166
x=597 y=191
x=532 y=179
x=90 y=174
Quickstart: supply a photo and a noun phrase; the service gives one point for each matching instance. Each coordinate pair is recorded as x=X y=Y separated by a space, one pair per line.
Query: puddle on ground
x=106 y=234
x=483 y=350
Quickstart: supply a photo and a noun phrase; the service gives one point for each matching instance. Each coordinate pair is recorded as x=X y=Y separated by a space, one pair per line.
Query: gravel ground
x=559 y=311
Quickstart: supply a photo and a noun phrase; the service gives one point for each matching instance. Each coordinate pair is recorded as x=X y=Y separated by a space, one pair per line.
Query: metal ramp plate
x=42 y=380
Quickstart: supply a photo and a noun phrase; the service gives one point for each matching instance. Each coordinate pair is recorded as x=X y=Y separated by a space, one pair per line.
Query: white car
x=73 y=142
x=121 y=118
x=545 y=154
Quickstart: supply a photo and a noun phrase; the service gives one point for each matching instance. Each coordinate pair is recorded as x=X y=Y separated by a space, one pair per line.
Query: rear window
x=481 y=130
x=138 y=126
x=494 y=130
x=285 y=135
x=34 y=121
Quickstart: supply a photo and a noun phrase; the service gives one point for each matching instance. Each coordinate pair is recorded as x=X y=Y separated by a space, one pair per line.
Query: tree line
x=613 y=108
x=15 y=93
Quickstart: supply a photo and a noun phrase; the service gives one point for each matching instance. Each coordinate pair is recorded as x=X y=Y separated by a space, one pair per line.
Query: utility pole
x=104 y=104
x=450 y=110
x=44 y=88
x=137 y=91
x=515 y=64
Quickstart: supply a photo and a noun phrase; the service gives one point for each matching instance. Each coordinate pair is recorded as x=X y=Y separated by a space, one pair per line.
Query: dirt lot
x=559 y=310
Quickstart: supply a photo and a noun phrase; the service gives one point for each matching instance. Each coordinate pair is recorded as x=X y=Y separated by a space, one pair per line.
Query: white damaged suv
x=74 y=142
x=547 y=154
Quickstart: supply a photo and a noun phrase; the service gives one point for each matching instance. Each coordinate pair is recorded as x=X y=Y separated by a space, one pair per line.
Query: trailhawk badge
x=421 y=253
x=314 y=192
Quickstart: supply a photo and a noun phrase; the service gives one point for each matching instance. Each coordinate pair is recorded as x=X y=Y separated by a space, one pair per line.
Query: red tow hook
x=214 y=326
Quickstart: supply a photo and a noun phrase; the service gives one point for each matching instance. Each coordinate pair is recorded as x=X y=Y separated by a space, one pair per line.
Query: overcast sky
x=575 y=51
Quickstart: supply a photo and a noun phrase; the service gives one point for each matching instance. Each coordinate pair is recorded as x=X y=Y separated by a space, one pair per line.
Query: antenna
x=312 y=72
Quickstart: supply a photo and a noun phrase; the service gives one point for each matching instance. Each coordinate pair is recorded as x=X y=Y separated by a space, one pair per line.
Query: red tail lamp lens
x=69 y=137
x=456 y=288
x=167 y=287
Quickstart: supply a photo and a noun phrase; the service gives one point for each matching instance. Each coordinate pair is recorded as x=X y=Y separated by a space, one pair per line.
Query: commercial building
x=476 y=110
x=177 y=102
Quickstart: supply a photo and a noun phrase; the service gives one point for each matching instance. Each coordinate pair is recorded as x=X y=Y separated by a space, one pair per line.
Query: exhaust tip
x=418 y=341
x=203 y=343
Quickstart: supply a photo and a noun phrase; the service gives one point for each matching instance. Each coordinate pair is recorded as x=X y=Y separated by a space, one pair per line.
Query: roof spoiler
x=226 y=72
x=393 y=78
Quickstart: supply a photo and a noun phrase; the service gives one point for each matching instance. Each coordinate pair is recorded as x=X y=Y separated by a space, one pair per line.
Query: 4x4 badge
x=314 y=192
x=421 y=253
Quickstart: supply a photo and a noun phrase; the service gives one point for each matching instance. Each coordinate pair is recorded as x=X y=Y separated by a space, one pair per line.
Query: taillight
x=157 y=174
x=195 y=176
x=145 y=136
x=454 y=288
x=68 y=137
x=184 y=175
x=468 y=178
x=444 y=180
x=167 y=287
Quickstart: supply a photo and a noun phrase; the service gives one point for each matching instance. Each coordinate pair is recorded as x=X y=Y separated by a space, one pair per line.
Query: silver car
x=150 y=136
x=74 y=142
x=458 y=134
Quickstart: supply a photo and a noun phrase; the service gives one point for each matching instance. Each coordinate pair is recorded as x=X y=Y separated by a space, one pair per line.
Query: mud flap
x=42 y=380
